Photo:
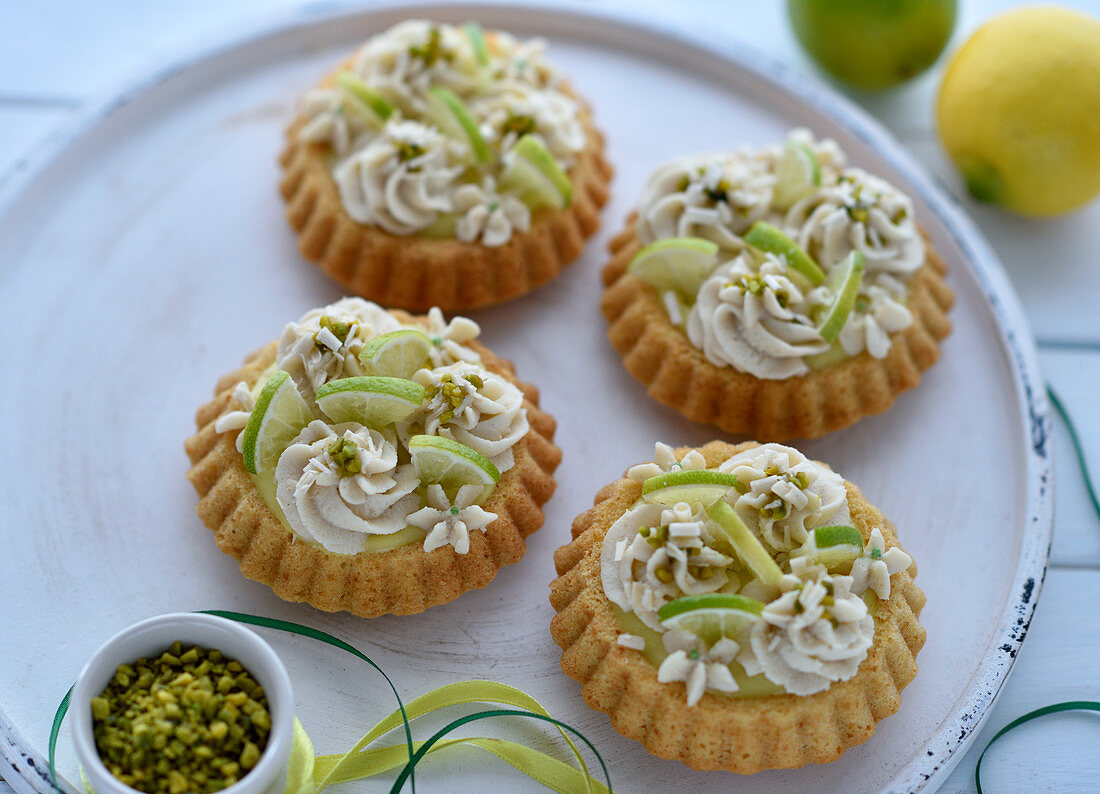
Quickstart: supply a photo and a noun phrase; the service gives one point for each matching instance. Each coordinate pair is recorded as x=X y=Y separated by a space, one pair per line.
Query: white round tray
x=145 y=253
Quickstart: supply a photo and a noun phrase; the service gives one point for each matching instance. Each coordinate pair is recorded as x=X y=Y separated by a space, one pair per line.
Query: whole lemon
x=1019 y=110
x=873 y=43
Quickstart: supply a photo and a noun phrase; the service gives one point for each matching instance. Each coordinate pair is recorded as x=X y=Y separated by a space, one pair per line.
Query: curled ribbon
x=309 y=774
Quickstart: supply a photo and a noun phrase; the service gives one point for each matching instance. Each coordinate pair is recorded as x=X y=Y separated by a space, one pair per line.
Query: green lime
x=278 y=416
x=368 y=98
x=711 y=616
x=750 y=550
x=768 y=238
x=873 y=43
x=834 y=355
x=477 y=42
x=837 y=546
x=798 y=174
x=397 y=354
x=680 y=264
x=694 y=487
x=535 y=176
x=370 y=400
x=452 y=465
x=453 y=117
x=844 y=284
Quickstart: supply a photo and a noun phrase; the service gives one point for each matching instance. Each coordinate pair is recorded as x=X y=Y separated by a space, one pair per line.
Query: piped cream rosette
x=727 y=578
x=367 y=434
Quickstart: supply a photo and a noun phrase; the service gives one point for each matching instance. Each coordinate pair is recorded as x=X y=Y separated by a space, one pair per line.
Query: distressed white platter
x=145 y=253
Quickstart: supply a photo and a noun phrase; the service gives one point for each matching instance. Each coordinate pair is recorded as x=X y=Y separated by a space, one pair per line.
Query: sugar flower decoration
x=449 y=338
x=236 y=420
x=449 y=523
x=665 y=461
x=700 y=668
x=874 y=569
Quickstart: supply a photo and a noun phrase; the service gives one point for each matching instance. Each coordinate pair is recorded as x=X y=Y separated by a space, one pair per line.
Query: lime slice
x=452 y=465
x=798 y=174
x=442 y=228
x=748 y=548
x=680 y=264
x=711 y=616
x=374 y=102
x=477 y=42
x=278 y=416
x=834 y=355
x=768 y=238
x=694 y=487
x=844 y=283
x=535 y=176
x=837 y=546
x=370 y=400
x=453 y=117
x=397 y=354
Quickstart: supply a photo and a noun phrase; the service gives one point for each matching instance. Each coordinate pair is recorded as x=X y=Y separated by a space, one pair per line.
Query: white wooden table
x=58 y=55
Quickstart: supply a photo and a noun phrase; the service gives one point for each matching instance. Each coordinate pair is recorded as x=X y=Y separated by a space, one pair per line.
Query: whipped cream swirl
x=783 y=494
x=469 y=404
x=818 y=631
x=749 y=314
x=338 y=484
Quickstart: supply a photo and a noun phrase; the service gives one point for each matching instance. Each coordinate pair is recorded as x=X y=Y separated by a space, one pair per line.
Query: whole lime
x=1019 y=110
x=873 y=44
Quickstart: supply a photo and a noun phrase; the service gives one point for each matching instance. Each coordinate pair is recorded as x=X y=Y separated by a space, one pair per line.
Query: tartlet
x=440 y=166
x=742 y=337
x=326 y=504
x=668 y=657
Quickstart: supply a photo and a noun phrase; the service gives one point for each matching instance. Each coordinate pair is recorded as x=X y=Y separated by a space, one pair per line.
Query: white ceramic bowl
x=151 y=637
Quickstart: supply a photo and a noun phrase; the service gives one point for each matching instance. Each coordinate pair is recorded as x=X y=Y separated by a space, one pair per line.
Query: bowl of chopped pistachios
x=180 y=704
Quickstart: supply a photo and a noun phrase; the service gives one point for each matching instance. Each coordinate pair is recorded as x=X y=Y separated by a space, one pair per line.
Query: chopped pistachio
x=431 y=50
x=876 y=553
x=664 y=575
x=802 y=480
x=345 y=456
x=407 y=151
x=519 y=124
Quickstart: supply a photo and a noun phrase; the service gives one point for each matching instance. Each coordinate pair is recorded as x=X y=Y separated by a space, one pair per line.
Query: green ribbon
x=1078 y=447
x=1072 y=705
x=309 y=774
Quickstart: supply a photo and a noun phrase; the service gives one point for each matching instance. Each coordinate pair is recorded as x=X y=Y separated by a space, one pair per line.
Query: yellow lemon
x=873 y=44
x=1019 y=110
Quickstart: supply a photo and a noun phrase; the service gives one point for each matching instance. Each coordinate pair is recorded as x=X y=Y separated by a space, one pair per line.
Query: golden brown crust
x=402 y=581
x=417 y=273
x=740 y=735
x=676 y=373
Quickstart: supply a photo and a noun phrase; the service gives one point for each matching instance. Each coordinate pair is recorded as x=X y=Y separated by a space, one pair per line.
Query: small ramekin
x=151 y=637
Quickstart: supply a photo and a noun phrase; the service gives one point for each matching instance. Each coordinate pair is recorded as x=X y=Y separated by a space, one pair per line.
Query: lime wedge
x=477 y=42
x=442 y=228
x=453 y=117
x=768 y=238
x=711 y=616
x=680 y=264
x=374 y=102
x=798 y=174
x=452 y=465
x=834 y=355
x=748 y=548
x=370 y=400
x=278 y=416
x=397 y=354
x=837 y=546
x=694 y=487
x=844 y=283
x=535 y=176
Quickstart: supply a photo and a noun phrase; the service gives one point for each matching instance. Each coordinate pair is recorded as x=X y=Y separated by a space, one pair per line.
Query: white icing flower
x=785 y=494
x=484 y=213
x=665 y=461
x=325 y=343
x=334 y=119
x=879 y=311
x=467 y=403
x=877 y=564
x=858 y=211
x=714 y=196
x=450 y=524
x=751 y=316
x=236 y=420
x=449 y=338
x=338 y=484
x=818 y=631
x=402 y=179
x=700 y=668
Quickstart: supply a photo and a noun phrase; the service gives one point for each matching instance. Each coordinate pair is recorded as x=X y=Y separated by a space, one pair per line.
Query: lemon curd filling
x=779 y=261
x=345 y=443
x=745 y=579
